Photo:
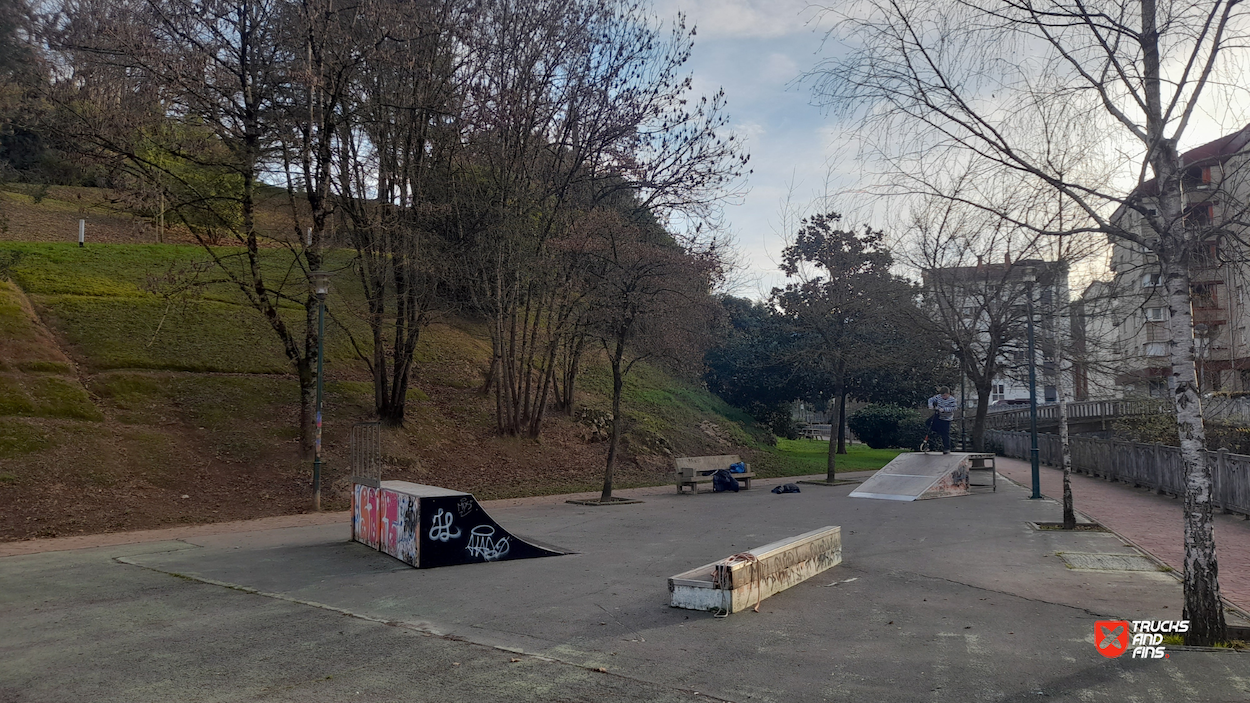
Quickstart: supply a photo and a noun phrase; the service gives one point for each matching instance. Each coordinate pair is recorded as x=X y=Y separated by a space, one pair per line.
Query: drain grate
x=1108 y=562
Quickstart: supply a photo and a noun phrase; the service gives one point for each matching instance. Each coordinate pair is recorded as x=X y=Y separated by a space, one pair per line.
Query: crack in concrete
x=1009 y=594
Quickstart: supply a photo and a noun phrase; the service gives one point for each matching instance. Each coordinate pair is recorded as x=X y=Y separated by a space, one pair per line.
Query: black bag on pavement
x=723 y=481
x=786 y=488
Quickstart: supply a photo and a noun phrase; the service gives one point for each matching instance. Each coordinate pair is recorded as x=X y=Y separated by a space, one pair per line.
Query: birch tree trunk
x=1065 y=447
x=1203 y=607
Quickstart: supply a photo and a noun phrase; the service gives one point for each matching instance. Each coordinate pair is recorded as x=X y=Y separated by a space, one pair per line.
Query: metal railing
x=1231 y=410
x=365 y=449
x=1154 y=466
x=1084 y=410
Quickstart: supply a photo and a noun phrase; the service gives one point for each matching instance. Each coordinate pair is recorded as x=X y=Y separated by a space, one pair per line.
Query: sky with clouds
x=757 y=50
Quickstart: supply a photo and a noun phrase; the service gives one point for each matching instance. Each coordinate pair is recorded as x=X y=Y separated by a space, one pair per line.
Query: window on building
x=1158 y=389
x=1203 y=296
x=1159 y=314
x=1199 y=216
x=1196 y=178
x=1156 y=349
x=1052 y=394
x=1207 y=254
x=1150 y=280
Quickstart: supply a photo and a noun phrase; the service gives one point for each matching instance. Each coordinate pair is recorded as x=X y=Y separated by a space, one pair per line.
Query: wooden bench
x=693 y=470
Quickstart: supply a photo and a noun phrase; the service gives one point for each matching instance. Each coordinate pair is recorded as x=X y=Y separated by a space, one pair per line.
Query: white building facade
x=1127 y=316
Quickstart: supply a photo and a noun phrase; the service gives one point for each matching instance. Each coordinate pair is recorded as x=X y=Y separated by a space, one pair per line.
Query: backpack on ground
x=722 y=480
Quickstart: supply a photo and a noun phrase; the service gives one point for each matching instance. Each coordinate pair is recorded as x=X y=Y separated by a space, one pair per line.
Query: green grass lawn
x=663 y=413
x=153 y=360
x=100 y=299
x=806 y=456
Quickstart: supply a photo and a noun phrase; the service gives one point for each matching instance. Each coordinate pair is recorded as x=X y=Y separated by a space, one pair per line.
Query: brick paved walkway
x=1152 y=522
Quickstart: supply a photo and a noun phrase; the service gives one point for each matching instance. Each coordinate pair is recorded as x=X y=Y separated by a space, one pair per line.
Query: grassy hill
x=124 y=408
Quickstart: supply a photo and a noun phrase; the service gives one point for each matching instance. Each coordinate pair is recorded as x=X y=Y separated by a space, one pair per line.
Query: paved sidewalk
x=1153 y=522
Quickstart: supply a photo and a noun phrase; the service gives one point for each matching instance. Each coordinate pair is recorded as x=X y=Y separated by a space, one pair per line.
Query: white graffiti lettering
x=441 y=530
x=465 y=506
x=482 y=543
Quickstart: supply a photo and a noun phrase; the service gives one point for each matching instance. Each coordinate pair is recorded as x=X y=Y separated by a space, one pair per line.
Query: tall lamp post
x=963 y=407
x=1030 y=277
x=321 y=287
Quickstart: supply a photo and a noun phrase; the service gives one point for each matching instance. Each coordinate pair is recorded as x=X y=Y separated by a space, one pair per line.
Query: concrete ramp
x=917 y=476
x=428 y=526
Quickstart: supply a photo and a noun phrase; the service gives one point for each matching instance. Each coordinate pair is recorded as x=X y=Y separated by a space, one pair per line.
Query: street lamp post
x=1030 y=277
x=321 y=287
x=963 y=407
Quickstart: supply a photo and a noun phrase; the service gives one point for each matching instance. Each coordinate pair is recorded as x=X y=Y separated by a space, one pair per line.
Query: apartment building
x=988 y=304
x=1128 y=315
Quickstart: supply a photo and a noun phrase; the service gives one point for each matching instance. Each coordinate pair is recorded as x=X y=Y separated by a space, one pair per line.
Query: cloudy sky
x=757 y=50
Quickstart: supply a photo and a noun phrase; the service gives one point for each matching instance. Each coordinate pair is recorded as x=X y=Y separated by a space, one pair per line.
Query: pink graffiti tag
x=391 y=522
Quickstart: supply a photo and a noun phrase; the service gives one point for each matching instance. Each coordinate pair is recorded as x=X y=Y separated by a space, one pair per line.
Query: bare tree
x=217 y=67
x=650 y=299
x=385 y=113
x=949 y=81
x=974 y=271
x=572 y=104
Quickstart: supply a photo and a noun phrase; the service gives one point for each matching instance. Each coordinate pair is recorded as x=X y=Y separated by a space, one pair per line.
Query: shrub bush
x=783 y=425
x=882 y=426
x=911 y=431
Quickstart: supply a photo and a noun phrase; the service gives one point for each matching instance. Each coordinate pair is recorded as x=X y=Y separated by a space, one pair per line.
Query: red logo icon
x=1111 y=636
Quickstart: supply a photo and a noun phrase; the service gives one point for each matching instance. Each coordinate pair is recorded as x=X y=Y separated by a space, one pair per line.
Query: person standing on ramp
x=943 y=404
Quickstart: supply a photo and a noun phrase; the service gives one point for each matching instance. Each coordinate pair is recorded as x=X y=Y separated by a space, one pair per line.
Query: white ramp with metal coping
x=918 y=476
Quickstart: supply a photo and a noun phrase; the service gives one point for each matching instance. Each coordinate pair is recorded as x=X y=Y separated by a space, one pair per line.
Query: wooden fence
x=1154 y=466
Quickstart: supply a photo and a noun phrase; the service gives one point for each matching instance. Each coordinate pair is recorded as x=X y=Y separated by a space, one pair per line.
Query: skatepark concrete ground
x=952 y=599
